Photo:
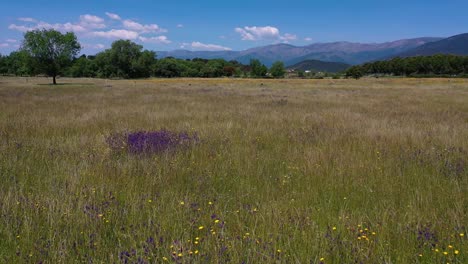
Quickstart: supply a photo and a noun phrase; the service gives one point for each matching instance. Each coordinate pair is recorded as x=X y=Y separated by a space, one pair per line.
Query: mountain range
x=342 y=52
x=456 y=45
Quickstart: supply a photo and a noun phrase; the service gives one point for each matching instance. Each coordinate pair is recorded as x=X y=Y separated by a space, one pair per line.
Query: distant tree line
x=125 y=59
x=422 y=66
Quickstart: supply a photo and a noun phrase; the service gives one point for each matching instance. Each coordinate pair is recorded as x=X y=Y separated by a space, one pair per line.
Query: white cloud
x=180 y=26
x=116 y=34
x=263 y=33
x=157 y=40
x=91 y=22
x=308 y=39
x=4 y=45
x=258 y=33
x=113 y=16
x=11 y=40
x=86 y=24
x=27 y=19
x=93 y=46
x=201 y=46
x=288 y=37
x=135 y=26
x=91 y=19
x=20 y=28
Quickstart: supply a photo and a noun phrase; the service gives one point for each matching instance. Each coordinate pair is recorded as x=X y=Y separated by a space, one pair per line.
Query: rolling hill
x=319 y=66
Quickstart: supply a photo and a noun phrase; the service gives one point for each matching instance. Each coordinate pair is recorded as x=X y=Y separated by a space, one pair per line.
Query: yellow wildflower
x=200 y=228
x=456 y=252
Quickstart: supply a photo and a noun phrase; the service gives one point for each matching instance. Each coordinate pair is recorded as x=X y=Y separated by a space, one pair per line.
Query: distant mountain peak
x=455 y=45
x=338 y=51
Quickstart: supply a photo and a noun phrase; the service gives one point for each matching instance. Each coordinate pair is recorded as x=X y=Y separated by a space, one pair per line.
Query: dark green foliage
x=170 y=67
x=257 y=68
x=277 y=70
x=437 y=65
x=320 y=66
x=17 y=63
x=51 y=50
x=83 y=67
x=125 y=59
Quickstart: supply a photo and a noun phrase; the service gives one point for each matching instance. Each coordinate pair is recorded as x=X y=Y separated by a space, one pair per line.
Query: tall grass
x=289 y=171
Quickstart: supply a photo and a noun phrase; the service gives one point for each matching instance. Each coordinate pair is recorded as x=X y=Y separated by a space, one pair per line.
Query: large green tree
x=52 y=50
x=257 y=68
x=125 y=59
x=277 y=70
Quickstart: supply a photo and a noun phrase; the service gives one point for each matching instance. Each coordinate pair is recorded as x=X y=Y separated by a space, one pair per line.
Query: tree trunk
x=55 y=82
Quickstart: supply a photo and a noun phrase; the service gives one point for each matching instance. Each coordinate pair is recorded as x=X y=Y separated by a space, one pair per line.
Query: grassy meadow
x=284 y=171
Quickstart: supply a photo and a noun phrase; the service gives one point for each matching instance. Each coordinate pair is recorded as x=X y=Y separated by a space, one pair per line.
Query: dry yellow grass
x=287 y=171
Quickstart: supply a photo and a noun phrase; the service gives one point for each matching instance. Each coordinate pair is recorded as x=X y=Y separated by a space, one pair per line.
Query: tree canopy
x=257 y=68
x=277 y=69
x=426 y=66
x=51 y=50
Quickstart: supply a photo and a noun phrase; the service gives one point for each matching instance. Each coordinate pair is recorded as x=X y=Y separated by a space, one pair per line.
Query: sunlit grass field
x=283 y=171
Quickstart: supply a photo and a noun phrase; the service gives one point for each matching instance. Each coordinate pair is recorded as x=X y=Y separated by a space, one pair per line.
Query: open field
x=284 y=171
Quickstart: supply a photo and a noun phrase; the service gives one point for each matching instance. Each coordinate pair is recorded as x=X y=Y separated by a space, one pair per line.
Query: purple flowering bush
x=150 y=142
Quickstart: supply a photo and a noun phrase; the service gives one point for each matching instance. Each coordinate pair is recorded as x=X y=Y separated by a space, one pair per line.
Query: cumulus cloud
x=117 y=34
x=20 y=28
x=263 y=33
x=93 y=46
x=157 y=40
x=113 y=16
x=91 y=19
x=258 y=33
x=91 y=22
x=201 y=46
x=85 y=24
x=27 y=19
x=90 y=26
x=288 y=37
x=135 y=26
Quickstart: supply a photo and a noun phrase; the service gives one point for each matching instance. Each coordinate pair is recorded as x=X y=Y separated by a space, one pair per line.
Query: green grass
x=286 y=171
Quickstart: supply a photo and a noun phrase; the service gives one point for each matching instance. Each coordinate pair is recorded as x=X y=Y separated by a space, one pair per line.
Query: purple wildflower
x=150 y=142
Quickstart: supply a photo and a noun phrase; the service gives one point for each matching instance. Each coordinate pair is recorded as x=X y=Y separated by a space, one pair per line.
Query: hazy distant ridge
x=345 y=52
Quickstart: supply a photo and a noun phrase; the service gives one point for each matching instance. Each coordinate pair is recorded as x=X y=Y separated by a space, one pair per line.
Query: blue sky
x=231 y=25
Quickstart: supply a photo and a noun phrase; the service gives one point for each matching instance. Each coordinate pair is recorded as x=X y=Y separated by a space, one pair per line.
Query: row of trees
x=437 y=65
x=53 y=53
